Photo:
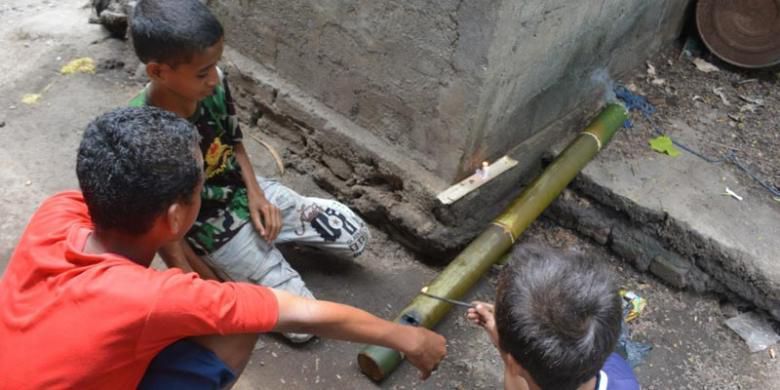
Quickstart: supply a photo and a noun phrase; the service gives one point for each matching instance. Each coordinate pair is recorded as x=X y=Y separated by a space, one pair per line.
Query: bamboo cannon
x=490 y=246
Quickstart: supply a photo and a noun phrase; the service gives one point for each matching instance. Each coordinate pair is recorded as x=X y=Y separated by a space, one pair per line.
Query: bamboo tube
x=490 y=246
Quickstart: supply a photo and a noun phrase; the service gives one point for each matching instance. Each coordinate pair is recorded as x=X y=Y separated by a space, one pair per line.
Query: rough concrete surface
x=451 y=83
x=671 y=215
x=693 y=350
x=447 y=85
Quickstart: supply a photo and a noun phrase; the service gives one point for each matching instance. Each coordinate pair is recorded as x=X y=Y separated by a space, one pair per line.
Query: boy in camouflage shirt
x=242 y=216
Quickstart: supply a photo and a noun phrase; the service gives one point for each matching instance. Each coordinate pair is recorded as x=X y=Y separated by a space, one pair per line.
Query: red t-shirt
x=74 y=320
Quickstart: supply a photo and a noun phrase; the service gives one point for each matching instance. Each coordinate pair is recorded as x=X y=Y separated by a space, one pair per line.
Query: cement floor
x=733 y=239
x=692 y=348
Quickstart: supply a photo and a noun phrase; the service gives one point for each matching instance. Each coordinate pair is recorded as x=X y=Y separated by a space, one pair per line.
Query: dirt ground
x=745 y=121
x=692 y=348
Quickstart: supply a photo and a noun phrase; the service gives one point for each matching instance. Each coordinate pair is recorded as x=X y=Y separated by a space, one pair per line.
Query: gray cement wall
x=542 y=57
x=404 y=70
x=399 y=99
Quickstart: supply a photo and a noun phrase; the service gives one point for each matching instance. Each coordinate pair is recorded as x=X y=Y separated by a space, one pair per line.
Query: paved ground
x=733 y=240
x=692 y=347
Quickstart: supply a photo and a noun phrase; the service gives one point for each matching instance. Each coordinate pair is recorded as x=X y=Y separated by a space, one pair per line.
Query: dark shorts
x=186 y=365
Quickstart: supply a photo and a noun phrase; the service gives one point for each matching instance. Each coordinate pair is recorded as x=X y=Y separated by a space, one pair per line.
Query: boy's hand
x=483 y=314
x=265 y=216
x=428 y=350
x=423 y=348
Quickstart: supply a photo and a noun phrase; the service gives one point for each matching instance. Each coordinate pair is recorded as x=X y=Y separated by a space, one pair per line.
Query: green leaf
x=663 y=144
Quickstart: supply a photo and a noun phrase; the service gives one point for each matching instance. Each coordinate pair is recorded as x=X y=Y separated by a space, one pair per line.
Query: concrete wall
x=403 y=70
x=542 y=57
x=424 y=91
x=452 y=82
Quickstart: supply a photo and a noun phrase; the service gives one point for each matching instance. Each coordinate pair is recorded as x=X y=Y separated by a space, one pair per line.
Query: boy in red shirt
x=81 y=309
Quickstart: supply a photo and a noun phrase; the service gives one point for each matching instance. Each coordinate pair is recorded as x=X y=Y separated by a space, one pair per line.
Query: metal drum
x=745 y=33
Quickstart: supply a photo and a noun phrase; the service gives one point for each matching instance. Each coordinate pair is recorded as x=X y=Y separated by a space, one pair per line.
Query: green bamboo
x=466 y=269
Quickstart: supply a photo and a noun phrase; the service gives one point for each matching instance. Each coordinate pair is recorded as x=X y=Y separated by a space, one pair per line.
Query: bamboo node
x=506 y=230
x=598 y=141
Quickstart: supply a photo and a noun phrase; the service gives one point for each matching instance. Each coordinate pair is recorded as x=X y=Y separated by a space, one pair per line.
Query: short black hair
x=172 y=31
x=558 y=315
x=133 y=163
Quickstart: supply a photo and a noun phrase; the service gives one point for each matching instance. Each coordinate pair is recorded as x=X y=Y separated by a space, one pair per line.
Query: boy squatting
x=81 y=309
x=242 y=216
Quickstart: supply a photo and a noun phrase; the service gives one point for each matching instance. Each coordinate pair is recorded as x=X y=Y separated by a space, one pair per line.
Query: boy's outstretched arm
x=423 y=348
x=484 y=315
x=266 y=218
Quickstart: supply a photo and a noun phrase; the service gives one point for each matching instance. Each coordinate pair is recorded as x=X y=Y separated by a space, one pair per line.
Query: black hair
x=172 y=31
x=558 y=315
x=133 y=163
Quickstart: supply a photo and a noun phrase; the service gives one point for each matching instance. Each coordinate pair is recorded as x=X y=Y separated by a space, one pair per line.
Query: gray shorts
x=321 y=223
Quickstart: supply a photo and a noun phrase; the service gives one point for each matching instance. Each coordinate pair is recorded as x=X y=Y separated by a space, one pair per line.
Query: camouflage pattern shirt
x=225 y=205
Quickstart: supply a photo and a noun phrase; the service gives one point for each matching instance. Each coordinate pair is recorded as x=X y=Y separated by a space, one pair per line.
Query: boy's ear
x=175 y=219
x=155 y=70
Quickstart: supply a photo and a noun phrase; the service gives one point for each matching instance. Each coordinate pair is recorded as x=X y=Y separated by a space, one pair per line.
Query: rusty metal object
x=745 y=33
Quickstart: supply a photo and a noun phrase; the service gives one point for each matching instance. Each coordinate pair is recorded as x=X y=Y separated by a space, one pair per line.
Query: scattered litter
x=31 y=98
x=755 y=330
x=28 y=182
x=772 y=353
x=741 y=82
x=758 y=102
x=732 y=194
x=650 y=69
x=632 y=87
x=653 y=74
x=636 y=304
x=664 y=144
x=697 y=97
x=658 y=82
x=79 y=65
x=719 y=92
x=735 y=118
x=633 y=351
x=748 y=107
x=704 y=66
x=691 y=48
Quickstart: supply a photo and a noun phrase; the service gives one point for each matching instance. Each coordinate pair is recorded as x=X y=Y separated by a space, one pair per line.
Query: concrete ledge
x=387 y=188
x=667 y=216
